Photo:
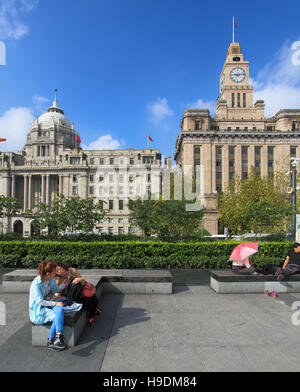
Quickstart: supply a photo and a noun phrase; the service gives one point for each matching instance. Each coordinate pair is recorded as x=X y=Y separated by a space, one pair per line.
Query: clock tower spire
x=236 y=95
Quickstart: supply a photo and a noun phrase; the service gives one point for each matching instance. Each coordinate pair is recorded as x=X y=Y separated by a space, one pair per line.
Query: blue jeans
x=58 y=323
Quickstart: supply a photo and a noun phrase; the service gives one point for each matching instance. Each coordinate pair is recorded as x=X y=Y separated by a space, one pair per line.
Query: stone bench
x=227 y=282
x=106 y=281
x=114 y=281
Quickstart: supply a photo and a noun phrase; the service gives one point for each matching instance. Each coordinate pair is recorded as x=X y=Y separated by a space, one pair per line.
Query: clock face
x=222 y=82
x=238 y=75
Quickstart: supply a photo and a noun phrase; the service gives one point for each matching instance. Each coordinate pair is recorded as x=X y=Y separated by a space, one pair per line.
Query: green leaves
x=66 y=213
x=257 y=204
x=167 y=219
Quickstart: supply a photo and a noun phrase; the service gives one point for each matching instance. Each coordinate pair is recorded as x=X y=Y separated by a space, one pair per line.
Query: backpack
x=72 y=291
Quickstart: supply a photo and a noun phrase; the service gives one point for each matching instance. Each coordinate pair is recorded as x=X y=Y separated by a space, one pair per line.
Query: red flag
x=2 y=140
x=235 y=25
x=78 y=139
x=150 y=138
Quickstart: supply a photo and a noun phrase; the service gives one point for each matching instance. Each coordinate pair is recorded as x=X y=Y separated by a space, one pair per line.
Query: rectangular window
x=110 y=220
x=92 y=178
x=239 y=100
x=91 y=190
x=148 y=177
x=74 y=161
x=111 y=161
x=131 y=161
x=131 y=177
x=120 y=230
x=232 y=100
x=101 y=178
x=121 y=205
x=122 y=160
x=197 y=125
x=92 y=161
x=244 y=100
x=130 y=190
x=148 y=159
x=75 y=179
x=101 y=191
x=74 y=191
x=111 y=204
x=111 y=230
x=293 y=152
x=101 y=161
x=121 y=221
x=111 y=178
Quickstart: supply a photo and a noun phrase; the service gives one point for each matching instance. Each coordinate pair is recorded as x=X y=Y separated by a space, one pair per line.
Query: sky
x=128 y=68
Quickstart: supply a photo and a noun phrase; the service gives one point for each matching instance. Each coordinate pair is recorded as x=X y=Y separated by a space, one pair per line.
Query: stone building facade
x=52 y=162
x=239 y=137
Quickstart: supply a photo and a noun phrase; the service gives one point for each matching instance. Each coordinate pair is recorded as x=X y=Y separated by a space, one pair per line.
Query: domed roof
x=54 y=114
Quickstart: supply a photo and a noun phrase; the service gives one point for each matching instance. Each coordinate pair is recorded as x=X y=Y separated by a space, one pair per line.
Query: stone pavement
x=194 y=329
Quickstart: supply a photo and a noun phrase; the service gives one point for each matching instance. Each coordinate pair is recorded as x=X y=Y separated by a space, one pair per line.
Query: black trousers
x=89 y=304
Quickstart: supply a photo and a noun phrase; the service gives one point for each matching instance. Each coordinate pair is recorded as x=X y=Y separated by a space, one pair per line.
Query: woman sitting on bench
x=39 y=310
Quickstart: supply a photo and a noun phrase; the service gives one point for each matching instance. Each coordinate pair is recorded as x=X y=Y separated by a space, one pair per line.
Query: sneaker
x=91 y=321
x=58 y=344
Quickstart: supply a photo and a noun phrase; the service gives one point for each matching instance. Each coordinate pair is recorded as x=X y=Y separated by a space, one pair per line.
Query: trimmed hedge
x=135 y=255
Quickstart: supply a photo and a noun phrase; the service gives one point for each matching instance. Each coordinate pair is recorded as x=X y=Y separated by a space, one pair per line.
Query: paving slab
x=194 y=329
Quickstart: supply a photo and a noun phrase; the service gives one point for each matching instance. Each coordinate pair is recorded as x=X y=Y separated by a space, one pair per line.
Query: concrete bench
x=106 y=281
x=114 y=281
x=227 y=282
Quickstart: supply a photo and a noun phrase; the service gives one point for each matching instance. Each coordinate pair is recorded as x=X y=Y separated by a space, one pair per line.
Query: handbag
x=89 y=290
x=72 y=291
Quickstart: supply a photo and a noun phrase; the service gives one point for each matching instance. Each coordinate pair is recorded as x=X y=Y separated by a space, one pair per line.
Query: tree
x=9 y=207
x=256 y=204
x=63 y=213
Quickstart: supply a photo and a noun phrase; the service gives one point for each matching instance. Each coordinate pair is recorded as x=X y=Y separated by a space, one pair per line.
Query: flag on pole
x=150 y=138
x=2 y=140
x=235 y=25
x=78 y=139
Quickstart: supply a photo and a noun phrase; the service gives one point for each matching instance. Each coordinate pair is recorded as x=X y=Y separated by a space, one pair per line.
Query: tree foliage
x=256 y=204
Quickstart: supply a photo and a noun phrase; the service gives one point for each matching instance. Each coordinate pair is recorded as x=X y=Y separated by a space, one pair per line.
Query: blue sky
x=126 y=68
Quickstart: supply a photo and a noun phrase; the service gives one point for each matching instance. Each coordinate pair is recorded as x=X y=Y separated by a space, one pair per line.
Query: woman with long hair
x=40 y=313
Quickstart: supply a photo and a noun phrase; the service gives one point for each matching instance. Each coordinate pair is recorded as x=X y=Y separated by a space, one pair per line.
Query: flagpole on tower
x=233 y=31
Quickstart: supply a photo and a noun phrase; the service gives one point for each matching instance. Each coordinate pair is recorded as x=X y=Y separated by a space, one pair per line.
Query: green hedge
x=134 y=255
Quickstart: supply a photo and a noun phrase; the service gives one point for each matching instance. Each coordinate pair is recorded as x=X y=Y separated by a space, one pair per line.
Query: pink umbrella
x=241 y=253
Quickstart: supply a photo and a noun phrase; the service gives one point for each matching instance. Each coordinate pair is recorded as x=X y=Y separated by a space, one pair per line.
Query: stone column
x=30 y=193
x=43 y=179
x=61 y=189
x=48 y=190
x=25 y=192
x=225 y=167
x=13 y=186
x=238 y=161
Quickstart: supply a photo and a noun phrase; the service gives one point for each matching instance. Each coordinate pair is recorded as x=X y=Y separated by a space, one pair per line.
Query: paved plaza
x=194 y=329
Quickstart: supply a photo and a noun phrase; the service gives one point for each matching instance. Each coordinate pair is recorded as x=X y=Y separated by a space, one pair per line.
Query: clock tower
x=236 y=95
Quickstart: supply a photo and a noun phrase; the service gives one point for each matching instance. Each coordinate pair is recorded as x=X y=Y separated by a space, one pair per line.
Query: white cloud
x=160 y=110
x=11 y=12
x=278 y=83
x=105 y=142
x=200 y=104
x=14 y=126
x=40 y=103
